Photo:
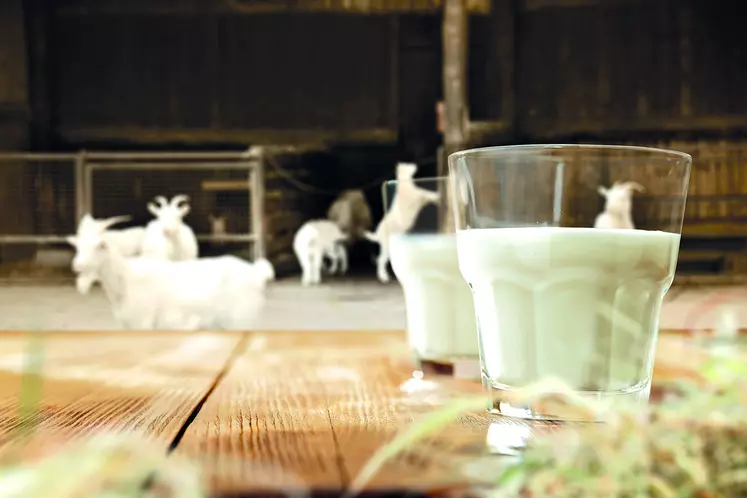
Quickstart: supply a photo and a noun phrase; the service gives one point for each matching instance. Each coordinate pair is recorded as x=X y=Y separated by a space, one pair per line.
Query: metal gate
x=45 y=194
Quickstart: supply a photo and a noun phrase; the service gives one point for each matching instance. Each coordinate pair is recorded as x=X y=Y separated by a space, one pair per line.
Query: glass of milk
x=441 y=326
x=559 y=291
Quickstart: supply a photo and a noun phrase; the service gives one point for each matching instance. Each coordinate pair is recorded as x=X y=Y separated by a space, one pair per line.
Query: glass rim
x=634 y=148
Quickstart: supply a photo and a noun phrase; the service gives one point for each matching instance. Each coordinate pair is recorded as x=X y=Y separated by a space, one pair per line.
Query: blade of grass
x=427 y=425
x=31 y=381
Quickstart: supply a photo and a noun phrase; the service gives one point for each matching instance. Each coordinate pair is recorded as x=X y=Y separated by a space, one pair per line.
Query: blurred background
x=339 y=91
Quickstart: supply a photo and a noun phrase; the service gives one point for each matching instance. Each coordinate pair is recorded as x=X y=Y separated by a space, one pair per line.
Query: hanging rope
x=314 y=190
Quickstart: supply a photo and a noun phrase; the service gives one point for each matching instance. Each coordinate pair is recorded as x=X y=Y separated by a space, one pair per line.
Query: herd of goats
x=154 y=279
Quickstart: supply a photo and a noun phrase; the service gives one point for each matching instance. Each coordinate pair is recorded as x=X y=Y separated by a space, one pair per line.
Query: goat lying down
x=147 y=294
x=409 y=200
x=315 y=240
x=618 y=205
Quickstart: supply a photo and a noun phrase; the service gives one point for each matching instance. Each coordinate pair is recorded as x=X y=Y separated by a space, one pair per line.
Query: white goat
x=168 y=237
x=148 y=294
x=128 y=241
x=409 y=199
x=618 y=205
x=315 y=240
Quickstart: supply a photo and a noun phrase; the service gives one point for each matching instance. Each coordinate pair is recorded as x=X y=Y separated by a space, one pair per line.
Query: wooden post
x=456 y=113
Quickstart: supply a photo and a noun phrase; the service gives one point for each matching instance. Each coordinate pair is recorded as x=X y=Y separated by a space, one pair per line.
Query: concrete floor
x=352 y=303
x=337 y=304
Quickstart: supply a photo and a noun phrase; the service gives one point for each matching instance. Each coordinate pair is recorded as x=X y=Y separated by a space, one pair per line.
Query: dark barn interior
x=358 y=87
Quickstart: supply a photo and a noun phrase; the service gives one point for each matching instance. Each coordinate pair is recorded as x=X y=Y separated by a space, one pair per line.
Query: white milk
x=580 y=304
x=440 y=313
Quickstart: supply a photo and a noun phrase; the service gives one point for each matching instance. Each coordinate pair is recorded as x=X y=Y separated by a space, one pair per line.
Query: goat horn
x=104 y=224
x=161 y=200
x=178 y=199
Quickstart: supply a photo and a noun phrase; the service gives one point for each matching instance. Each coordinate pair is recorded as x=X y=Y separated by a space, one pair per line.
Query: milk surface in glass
x=440 y=312
x=578 y=304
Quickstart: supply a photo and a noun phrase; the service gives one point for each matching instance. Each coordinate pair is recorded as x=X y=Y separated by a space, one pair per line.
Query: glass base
x=551 y=409
x=508 y=436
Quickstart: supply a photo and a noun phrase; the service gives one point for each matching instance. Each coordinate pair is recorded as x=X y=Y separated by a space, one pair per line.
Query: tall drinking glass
x=441 y=327
x=554 y=296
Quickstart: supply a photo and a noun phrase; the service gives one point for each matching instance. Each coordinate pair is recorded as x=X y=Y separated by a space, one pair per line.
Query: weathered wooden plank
x=314 y=407
x=270 y=412
x=296 y=409
x=142 y=383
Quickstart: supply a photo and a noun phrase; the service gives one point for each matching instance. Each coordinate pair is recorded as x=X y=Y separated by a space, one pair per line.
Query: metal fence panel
x=45 y=194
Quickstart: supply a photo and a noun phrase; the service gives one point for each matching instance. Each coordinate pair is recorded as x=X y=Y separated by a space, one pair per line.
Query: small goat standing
x=168 y=237
x=409 y=199
x=618 y=205
x=315 y=240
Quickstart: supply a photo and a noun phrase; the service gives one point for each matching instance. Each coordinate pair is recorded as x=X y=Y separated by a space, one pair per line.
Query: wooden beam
x=225 y=185
x=546 y=130
x=558 y=4
x=252 y=7
x=456 y=113
x=211 y=135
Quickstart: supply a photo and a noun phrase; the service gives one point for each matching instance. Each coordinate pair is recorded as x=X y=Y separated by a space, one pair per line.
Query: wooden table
x=259 y=411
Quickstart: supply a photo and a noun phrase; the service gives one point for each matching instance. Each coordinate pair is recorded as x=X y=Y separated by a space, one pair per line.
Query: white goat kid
x=315 y=240
x=618 y=205
x=168 y=237
x=409 y=199
x=148 y=294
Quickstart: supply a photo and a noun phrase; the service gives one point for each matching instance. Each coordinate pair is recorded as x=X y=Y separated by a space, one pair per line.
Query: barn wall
x=15 y=178
x=218 y=77
x=635 y=67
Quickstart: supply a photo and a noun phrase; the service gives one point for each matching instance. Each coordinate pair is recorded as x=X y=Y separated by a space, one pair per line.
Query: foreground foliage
x=692 y=444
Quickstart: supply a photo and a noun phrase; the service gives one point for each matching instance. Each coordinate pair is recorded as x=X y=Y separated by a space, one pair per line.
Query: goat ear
x=602 y=191
x=153 y=209
x=86 y=221
x=183 y=210
x=72 y=240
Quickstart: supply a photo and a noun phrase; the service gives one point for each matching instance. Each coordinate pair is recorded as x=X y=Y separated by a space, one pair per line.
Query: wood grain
x=301 y=410
x=314 y=406
x=142 y=383
x=282 y=412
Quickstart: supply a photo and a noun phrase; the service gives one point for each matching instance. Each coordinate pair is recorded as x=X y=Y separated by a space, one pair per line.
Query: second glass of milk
x=441 y=328
x=567 y=284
